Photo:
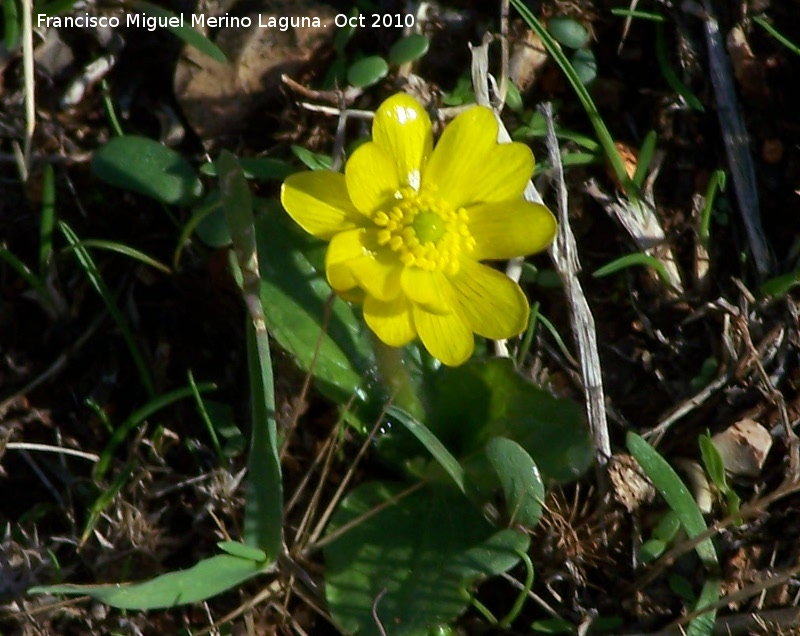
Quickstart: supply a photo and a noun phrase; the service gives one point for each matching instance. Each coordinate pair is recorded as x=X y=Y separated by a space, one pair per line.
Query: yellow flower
x=408 y=225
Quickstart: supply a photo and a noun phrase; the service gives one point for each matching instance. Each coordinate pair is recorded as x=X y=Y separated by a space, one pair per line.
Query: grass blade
x=47 y=218
x=600 y=128
x=432 y=444
x=93 y=274
x=141 y=414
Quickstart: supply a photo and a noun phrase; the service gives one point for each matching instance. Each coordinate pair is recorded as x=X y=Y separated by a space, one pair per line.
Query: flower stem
x=397 y=380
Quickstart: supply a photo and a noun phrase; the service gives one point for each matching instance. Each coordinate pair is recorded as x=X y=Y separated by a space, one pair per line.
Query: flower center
x=425 y=232
x=429 y=227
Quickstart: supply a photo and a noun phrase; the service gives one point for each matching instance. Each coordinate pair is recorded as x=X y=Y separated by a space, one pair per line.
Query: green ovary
x=429 y=227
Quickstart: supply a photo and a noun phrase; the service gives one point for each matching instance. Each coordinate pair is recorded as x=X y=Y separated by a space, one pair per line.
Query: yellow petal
x=492 y=304
x=319 y=203
x=509 y=229
x=468 y=166
x=371 y=177
x=431 y=290
x=390 y=321
x=403 y=129
x=447 y=337
x=350 y=262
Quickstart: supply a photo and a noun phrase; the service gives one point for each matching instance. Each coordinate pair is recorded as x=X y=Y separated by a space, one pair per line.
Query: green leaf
x=471 y=404
x=11 y=35
x=407 y=49
x=514 y=99
x=212 y=229
x=183 y=587
x=367 y=71
x=147 y=167
x=645 y=157
x=490 y=399
x=712 y=460
x=585 y=65
x=263 y=522
x=522 y=484
x=186 y=33
x=312 y=160
x=259 y=168
x=296 y=296
x=779 y=286
x=420 y=557
x=675 y=493
x=568 y=32
x=638 y=258
x=242 y=551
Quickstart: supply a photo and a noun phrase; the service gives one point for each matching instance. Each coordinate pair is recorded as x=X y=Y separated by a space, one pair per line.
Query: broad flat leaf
x=294 y=292
x=145 y=166
x=204 y=580
x=522 y=484
x=471 y=404
x=422 y=554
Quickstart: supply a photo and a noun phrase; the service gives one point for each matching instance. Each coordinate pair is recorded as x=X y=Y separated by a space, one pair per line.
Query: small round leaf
x=568 y=32
x=408 y=49
x=367 y=71
x=585 y=65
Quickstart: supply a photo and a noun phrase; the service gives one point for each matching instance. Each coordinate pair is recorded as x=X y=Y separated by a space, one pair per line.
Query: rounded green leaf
x=145 y=166
x=568 y=32
x=520 y=478
x=421 y=556
x=408 y=49
x=585 y=65
x=367 y=71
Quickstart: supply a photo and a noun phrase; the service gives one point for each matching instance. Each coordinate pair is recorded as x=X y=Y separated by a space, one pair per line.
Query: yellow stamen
x=424 y=231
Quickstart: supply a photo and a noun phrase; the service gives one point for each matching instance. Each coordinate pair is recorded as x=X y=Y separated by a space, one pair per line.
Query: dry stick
x=564 y=253
x=734 y=133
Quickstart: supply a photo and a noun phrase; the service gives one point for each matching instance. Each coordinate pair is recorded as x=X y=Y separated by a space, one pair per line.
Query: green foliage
x=367 y=71
x=202 y=581
x=415 y=560
x=715 y=467
x=522 y=485
x=469 y=405
x=568 y=32
x=147 y=167
x=263 y=522
x=409 y=48
x=631 y=260
x=680 y=500
x=302 y=313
